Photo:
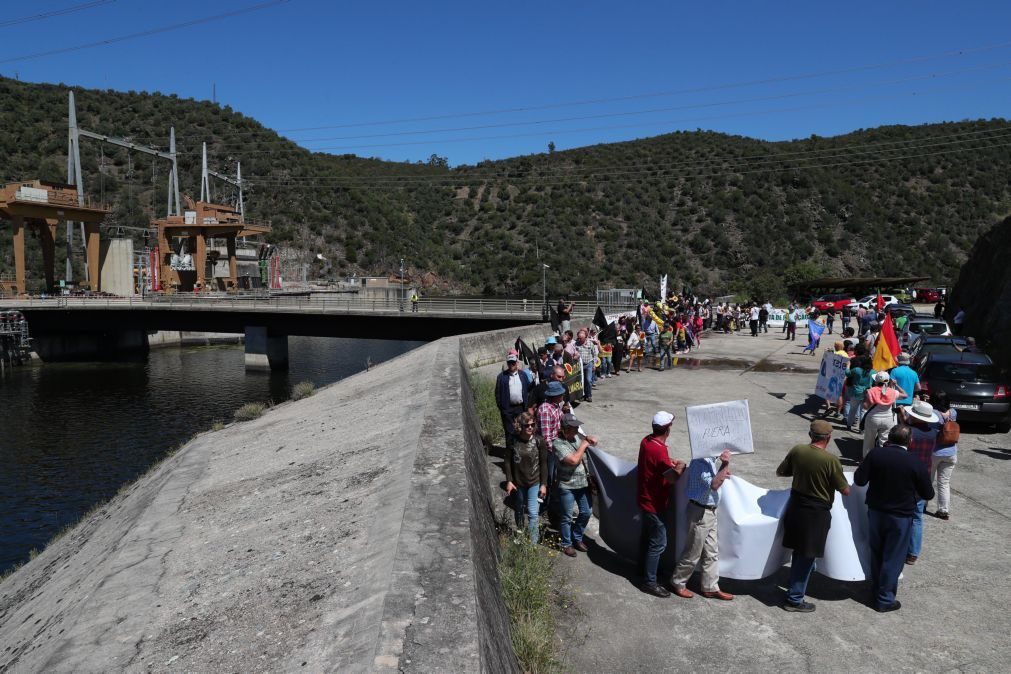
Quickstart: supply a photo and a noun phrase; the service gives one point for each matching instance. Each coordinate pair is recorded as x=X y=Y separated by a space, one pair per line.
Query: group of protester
x=905 y=439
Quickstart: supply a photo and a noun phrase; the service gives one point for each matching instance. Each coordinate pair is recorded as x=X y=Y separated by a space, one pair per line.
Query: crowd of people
x=910 y=444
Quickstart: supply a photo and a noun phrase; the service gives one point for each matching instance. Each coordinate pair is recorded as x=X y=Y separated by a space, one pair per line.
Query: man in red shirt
x=657 y=472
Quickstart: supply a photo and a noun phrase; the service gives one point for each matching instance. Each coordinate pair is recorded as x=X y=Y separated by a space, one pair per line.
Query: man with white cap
x=702 y=540
x=924 y=429
x=512 y=390
x=656 y=473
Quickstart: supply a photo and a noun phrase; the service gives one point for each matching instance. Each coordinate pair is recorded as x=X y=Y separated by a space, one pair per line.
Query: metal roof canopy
x=862 y=282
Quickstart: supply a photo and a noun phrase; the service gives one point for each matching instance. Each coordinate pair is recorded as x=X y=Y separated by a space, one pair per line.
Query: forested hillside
x=722 y=213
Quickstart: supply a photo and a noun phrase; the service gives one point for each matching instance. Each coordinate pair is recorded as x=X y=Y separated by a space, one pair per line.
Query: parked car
x=927 y=295
x=925 y=343
x=871 y=302
x=896 y=310
x=974 y=385
x=836 y=301
x=917 y=325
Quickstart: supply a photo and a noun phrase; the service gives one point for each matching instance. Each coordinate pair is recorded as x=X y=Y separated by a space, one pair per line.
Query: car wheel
x=1004 y=427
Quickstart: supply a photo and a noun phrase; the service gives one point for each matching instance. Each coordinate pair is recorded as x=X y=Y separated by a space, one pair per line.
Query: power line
x=292 y=146
x=609 y=177
x=674 y=92
x=145 y=33
x=800 y=155
x=53 y=13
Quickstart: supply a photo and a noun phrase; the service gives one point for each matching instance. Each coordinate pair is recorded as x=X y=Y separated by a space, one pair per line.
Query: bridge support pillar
x=264 y=351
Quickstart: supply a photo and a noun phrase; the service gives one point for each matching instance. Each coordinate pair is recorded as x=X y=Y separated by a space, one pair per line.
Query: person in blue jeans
x=817 y=476
x=573 y=483
x=526 y=469
x=896 y=481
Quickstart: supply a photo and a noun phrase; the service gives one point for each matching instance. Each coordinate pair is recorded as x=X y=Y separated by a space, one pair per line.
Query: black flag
x=608 y=332
x=556 y=325
x=526 y=353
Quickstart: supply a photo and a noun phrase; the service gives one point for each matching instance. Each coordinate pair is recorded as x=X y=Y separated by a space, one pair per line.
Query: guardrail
x=322 y=303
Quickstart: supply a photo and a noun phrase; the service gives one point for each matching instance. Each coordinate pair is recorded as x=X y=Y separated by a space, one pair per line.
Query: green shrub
x=302 y=389
x=249 y=411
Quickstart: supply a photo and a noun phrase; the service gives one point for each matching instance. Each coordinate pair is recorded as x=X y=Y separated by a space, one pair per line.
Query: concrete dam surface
x=350 y=531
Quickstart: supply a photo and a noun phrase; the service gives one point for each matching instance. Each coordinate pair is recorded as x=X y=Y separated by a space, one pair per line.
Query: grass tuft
x=218 y=425
x=302 y=389
x=528 y=581
x=487 y=410
x=250 y=411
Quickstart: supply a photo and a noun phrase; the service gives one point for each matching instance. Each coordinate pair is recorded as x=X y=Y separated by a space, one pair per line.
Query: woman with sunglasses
x=526 y=469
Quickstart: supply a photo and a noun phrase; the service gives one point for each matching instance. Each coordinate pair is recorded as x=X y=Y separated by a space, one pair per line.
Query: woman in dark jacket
x=526 y=469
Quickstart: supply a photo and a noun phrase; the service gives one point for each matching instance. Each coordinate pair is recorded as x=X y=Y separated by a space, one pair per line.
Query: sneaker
x=656 y=591
x=894 y=606
x=802 y=607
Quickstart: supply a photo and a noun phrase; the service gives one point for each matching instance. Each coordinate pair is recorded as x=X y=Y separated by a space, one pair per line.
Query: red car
x=837 y=301
x=927 y=295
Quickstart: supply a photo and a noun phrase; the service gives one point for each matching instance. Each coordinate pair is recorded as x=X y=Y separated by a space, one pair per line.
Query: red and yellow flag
x=886 y=349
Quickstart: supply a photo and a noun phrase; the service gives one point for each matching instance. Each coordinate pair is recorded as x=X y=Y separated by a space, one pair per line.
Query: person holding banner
x=817 y=476
x=702 y=541
x=574 y=484
x=655 y=475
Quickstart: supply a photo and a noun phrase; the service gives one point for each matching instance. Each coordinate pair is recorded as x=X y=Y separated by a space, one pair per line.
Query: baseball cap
x=512 y=356
x=820 y=427
x=881 y=377
x=662 y=418
x=571 y=421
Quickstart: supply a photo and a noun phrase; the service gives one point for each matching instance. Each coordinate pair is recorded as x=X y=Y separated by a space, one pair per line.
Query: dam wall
x=349 y=531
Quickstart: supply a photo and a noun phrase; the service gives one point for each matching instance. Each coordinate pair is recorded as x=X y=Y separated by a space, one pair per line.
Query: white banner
x=713 y=428
x=663 y=288
x=831 y=376
x=777 y=317
x=750 y=524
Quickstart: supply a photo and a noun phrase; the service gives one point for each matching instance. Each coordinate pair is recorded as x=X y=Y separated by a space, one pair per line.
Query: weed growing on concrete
x=302 y=389
x=218 y=425
x=487 y=410
x=249 y=411
x=528 y=581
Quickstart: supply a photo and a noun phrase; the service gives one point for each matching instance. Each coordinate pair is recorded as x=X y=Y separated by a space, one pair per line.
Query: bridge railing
x=323 y=303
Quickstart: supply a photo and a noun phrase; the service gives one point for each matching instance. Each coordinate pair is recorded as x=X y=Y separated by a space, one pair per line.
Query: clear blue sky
x=310 y=63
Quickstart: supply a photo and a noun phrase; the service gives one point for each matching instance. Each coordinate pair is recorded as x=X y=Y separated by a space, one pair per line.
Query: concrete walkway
x=954 y=615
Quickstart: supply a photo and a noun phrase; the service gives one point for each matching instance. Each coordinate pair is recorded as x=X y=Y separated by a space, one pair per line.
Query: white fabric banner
x=750 y=531
x=713 y=428
x=663 y=288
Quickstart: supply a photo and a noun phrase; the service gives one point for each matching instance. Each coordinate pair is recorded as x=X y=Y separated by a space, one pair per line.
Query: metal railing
x=307 y=303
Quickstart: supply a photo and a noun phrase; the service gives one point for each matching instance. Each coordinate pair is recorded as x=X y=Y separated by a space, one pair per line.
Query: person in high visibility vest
x=414 y=302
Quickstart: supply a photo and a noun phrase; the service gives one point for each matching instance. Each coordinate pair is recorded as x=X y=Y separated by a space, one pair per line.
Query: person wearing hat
x=526 y=468
x=549 y=419
x=924 y=427
x=879 y=401
x=573 y=483
x=702 y=539
x=895 y=482
x=656 y=473
x=512 y=389
x=556 y=355
x=817 y=476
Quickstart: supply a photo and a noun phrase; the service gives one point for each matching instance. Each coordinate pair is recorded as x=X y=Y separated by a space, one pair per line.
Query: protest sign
x=713 y=428
x=573 y=381
x=778 y=316
x=831 y=376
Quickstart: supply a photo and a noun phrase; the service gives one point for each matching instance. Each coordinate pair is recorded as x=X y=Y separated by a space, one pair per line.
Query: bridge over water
x=79 y=328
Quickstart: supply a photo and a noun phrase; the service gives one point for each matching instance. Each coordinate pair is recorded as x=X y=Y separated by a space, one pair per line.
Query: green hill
x=722 y=213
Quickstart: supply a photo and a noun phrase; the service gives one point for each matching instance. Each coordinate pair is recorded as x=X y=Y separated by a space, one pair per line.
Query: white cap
x=881 y=377
x=662 y=418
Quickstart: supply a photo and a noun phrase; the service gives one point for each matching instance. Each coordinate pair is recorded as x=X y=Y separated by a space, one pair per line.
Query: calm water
x=71 y=434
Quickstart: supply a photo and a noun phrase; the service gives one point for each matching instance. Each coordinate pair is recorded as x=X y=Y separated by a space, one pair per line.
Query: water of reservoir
x=72 y=434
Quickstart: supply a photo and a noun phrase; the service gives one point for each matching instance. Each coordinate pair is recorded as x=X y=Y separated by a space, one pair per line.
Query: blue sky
x=304 y=64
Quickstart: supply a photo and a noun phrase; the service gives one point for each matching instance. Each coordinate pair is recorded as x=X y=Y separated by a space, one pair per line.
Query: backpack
x=949 y=434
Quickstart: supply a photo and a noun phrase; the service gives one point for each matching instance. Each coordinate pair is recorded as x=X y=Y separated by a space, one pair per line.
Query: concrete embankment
x=350 y=531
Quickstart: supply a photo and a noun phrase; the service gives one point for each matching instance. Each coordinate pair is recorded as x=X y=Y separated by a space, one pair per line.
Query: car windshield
x=928 y=328
x=963 y=371
x=940 y=347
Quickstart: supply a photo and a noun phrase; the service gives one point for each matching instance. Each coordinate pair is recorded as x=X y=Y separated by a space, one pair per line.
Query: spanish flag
x=886 y=350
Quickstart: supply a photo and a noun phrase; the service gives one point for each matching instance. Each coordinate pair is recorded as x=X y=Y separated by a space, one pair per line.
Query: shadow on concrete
x=809 y=409
x=995 y=453
x=850 y=450
x=607 y=560
x=771 y=591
